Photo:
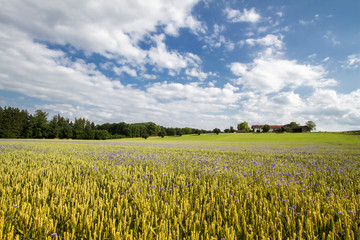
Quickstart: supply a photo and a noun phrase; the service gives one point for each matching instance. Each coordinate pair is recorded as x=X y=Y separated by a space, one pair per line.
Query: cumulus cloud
x=267 y=75
x=195 y=93
x=76 y=88
x=239 y=69
x=265 y=91
x=112 y=29
x=79 y=89
x=196 y=73
x=125 y=69
x=246 y=15
x=269 y=40
x=327 y=108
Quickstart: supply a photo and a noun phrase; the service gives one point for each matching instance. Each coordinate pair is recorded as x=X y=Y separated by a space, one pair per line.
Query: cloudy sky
x=201 y=64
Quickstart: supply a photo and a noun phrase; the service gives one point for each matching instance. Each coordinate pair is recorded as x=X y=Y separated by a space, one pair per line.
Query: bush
x=266 y=128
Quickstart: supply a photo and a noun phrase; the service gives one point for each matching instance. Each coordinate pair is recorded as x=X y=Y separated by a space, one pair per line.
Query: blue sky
x=201 y=64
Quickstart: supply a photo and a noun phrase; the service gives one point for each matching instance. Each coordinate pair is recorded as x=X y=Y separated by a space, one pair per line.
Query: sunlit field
x=189 y=187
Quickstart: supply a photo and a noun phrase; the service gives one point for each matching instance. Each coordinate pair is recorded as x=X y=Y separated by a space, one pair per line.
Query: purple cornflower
x=350 y=211
x=54 y=234
x=340 y=212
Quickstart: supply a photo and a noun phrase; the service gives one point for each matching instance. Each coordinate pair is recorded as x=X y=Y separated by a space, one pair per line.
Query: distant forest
x=16 y=123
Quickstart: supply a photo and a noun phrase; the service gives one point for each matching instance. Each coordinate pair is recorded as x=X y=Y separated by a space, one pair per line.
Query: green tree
x=151 y=128
x=293 y=124
x=54 y=128
x=266 y=128
x=170 y=132
x=13 y=122
x=231 y=130
x=187 y=130
x=217 y=131
x=40 y=124
x=67 y=129
x=179 y=132
x=101 y=134
x=198 y=132
x=79 y=128
x=244 y=126
x=89 y=130
x=287 y=128
x=227 y=130
x=162 y=132
x=311 y=125
x=145 y=135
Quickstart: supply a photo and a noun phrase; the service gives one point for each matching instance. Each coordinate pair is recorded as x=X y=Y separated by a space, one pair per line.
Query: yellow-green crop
x=61 y=190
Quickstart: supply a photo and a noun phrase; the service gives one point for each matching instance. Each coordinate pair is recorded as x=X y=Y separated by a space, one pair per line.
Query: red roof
x=271 y=126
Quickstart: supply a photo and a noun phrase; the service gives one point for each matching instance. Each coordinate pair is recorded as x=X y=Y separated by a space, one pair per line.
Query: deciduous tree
x=216 y=130
x=311 y=125
x=266 y=128
x=244 y=126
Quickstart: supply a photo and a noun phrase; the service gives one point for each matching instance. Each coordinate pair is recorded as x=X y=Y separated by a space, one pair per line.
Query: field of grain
x=162 y=189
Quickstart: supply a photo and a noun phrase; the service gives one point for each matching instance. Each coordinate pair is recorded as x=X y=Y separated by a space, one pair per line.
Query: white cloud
x=335 y=111
x=217 y=39
x=330 y=110
x=353 y=61
x=304 y=22
x=238 y=69
x=312 y=56
x=269 y=40
x=149 y=76
x=79 y=89
x=265 y=91
x=125 y=69
x=172 y=60
x=193 y=72
x=245 y=16
x=330 y=36
x=269 y=74
x=116 y=31
x=280 y=14
x=195 y=93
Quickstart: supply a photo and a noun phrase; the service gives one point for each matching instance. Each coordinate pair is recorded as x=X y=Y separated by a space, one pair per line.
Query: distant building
x=300 y=129
x=273 y=128
x=281 y=128
x=240 y=131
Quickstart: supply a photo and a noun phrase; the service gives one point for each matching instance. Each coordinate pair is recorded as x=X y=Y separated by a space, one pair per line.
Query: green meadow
x=269 y=137
x=226 y=186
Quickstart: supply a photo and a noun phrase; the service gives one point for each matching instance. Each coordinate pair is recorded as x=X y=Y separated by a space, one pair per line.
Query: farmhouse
x=273 y=128
x=280 y=128
x=300 y=129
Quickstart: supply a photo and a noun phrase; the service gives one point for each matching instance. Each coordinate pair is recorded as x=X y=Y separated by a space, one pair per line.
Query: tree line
x=16 y=123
